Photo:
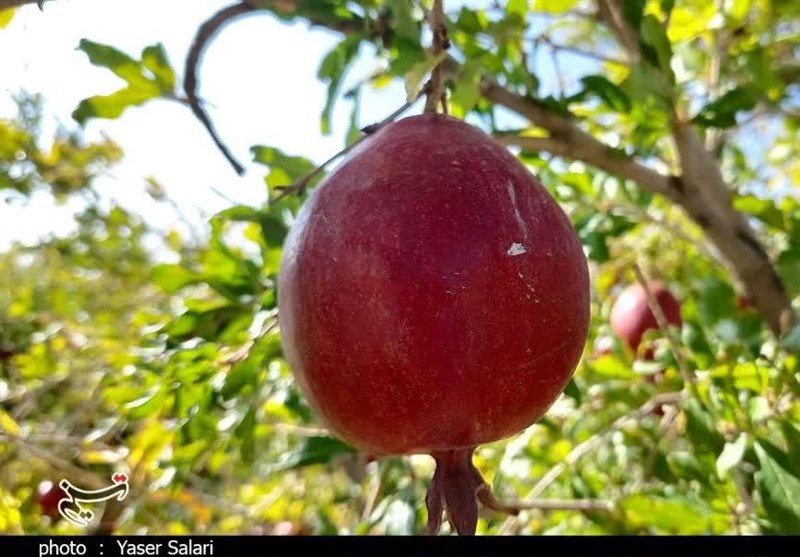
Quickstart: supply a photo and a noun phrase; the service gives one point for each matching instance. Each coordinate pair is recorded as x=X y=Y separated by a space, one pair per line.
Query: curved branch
x=9 y=4
x=204 y=35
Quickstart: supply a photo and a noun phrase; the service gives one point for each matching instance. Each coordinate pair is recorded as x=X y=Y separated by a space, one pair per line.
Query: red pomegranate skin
x=48 y=500
x=631 y=315
x=432 y=294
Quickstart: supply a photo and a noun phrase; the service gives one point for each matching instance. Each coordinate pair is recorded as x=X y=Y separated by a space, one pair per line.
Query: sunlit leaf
x=731 y=455
x=779 y=485
x=6 y=16
x=154 y=58
x=332 y=70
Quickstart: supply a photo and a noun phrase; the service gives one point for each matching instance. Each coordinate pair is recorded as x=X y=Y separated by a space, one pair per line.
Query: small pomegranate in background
x=433 y=297
x=744 y=303
x=48 y=498
x=631 y=315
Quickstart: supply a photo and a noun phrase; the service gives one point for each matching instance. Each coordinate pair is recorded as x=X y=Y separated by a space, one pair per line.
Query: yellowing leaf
x=686 y=23
x=552 y=6
x=8 y=424
x=6 y=16
x=416 y=75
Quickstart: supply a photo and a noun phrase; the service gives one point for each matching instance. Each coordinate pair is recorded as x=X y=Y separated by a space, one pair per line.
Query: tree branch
x=9 y=4
x=707 y=198
x=204 y=35
x=700 y=190
x=575 y=144
x=440 y=44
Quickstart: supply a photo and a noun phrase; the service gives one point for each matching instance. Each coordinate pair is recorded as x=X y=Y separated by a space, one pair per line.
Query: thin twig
x=300 y=431
x=566 y=505
x=440 y=44
x=203 y=36
x=578 y=52
x=299 y=187
x=88 y=479
x=588 y=446
x=559 y=75
x=663 y=324
x=374 y=492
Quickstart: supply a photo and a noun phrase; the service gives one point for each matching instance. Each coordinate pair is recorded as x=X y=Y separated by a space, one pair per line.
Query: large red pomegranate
x=631 y=315
x=433 y=297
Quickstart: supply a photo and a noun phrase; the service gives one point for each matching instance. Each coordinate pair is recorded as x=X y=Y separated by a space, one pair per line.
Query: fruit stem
x=440 y=44
x=299 y=187
x=457 y=487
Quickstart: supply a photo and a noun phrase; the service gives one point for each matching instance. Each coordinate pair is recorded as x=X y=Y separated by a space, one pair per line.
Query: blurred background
x=138 y=320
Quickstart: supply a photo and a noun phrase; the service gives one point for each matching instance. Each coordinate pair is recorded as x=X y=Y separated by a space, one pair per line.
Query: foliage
x=69 y=164
x=174 y=371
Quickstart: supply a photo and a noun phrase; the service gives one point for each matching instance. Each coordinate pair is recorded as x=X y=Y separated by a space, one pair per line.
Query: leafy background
x=115 y=357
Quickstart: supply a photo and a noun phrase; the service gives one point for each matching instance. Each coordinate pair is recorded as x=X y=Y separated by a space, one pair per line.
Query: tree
x=636 y=116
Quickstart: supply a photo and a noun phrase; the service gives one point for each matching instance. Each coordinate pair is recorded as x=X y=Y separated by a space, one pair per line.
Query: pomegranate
x=631 y=315
x=48 y=498
x=433 y=297
x=744 y=303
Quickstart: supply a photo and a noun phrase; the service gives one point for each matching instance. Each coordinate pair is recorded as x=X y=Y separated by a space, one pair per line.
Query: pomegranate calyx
x=457 y=487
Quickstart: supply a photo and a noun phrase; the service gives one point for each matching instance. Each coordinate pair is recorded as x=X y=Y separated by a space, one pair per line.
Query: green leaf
x=612 y=95
x=471 y=21
x=721 y=113
x=115 y=60
x=609 y=366
x=210 y=325
x=148 y=405
x=240 y=213
x=354 y=130
x=685 y=465
x=717 y=300
x=113 y=105
x=644 y=84
x=788 y=264
x=171 y=278
x=140 y=87
x=731 y=455
x=416 y=75
x=633 y=11
x=404 y=22
x=466 y=93
x=573 y=391
x=283 y=169
x=246 y=372
x=154 y=58
x=332 y=69
x=674 y=515
x=700 y=428
x=761 y=208
x=792 y=435
x=778 y=482
x=244 y=432
x=315 y=450
x=654 y=34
